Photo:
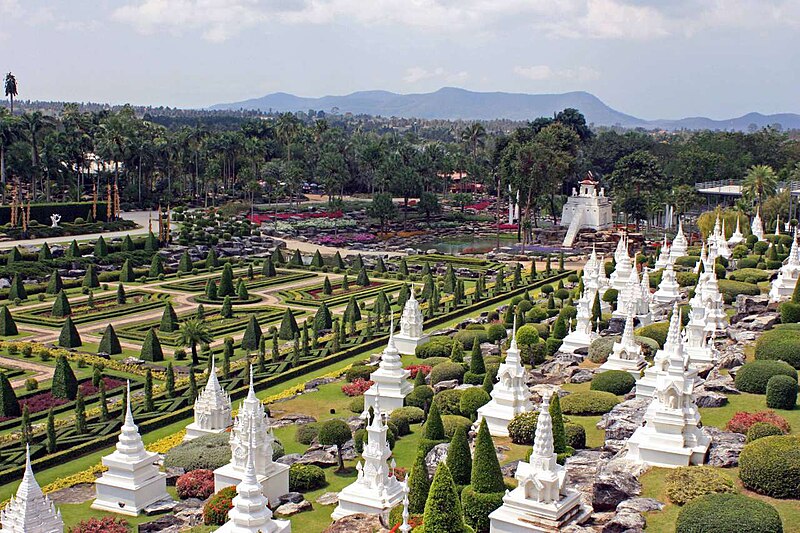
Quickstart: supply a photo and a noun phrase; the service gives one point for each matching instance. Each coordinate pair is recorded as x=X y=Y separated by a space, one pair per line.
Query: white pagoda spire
x=737 y=237
x=679 y=244
x=411 y=327
x=29 y=510
x=778 y=225
x=757 y=227
x=212 y=408
x=626 y=354
x=390 y=379
x=664 y=257
x=783 y=285
x=405 y=527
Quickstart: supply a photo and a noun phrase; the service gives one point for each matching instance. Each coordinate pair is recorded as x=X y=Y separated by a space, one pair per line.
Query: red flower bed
x=107 y=524
x=265 y=217
x=741 y=421
x=196 y=484
x=87 y=388
x=480 y=206
x=41 y=402
x=426 y=369
x=507 y=226
x=357 y=387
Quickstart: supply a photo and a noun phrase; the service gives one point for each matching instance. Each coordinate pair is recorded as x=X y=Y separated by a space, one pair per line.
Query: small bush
x=420 y=397
x=471 y=400
x=790 y=313
x=412 y=415
x=215 y=511
x=307 y=433
x=107 y=524
x=478 y=505
x=731 y=289
x=467 y=337
x=522 y=427
x=439 y=346
x=195 y=484
x=356 y=405
x=453 y=422
x=446 y=372
x=449 y=401
x=771 y=466
x=657 y=332
x=576 y=436
x=760 y=430
x=359 y=372
x=600 y=348
x=780 y=344
x=749 y=275
x=742 y=421
x=753 y=377
x=781 y=392
x=304 y=478
x=617 y=382
x=203 y=453
x=687 y=483
x=725 y=513
x=588 y=403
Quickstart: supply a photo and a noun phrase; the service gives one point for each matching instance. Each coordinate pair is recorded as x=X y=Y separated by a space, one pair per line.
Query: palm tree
x=760 y=181
x=34 y=125
x=287 y=128
x=8 y=134
x=11 y=89
x=193 y=332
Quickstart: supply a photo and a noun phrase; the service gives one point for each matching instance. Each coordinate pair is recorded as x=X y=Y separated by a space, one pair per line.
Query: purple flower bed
x=45 y=400
x=88 y=389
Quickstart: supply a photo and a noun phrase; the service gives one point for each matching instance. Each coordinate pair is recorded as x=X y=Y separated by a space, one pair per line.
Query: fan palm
x=760 y=181
x=11 y=89
x=192 y=332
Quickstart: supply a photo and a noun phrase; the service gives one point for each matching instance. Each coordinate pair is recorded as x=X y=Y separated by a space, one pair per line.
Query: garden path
x=41 y=371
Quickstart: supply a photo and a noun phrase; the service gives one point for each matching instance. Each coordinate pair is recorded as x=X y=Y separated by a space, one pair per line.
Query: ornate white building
x=133 y=480
x=510 y=395
x=626 y=354
x=390 y=379
x=664 y=257
x=667 y=294
x=757 y=226
x=583 y=335
x=585 y=209
x=252 y=418
x=542 y=500
x=29 y=510
x=411 y=326
x=736 y=237
x=212 y=409
x=670 y=435
x=376 y=490
x=783 y=285
x=679 y=244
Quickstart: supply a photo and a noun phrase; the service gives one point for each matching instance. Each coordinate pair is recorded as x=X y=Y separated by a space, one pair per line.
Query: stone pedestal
x=274 y=481
x=408 y=345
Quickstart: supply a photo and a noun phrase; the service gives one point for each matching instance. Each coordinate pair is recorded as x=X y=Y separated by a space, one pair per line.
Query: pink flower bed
x=741 y=421
x=507 y=226
x=265 y=217
x=357 y=387
x=41 y=402
x=426 y=369
x=87 y=388
x=480 y=206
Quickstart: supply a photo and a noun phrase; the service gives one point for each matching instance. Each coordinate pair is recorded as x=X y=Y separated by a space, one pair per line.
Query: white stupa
x=646 y=298
x=778 y=225
x=510 y=395
x=679 y=244
x=626 y=354
x=583 y=335
x=670 y=435
x=542 y=500
x=757 y=226
x=646 y=385
x=697 y=343
x=713 y=302
x=29 y=510
x=212 y=409
x=390 y=379
x=783 y=285
x=722 y=244
x=620 y=278
x=273 y=477
x=737 y=237
x=133 y=480
x=667 y=294
x=411 y=325
x=376 y=490
x=637 y=294
x=250 y=512
x=594 y=279
x=664 y=258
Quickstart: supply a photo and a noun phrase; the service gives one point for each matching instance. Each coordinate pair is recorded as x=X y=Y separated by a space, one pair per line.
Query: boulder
x=437 y=455
x=290 y=509
x=583 y=375
x=290 y=497
x=732 y=355
x=289 y=459
x=706 y=398
x=292 y=419
x=560 y=363
x=168 y=523
x=356 y=523
x=329 y=498
x=616 y=482
x=582 y=468
x=625 y=522
x=725 y=447
x=161 y=506
x=510 y=469
x=718 y=382
x=640 y=505
x=445 y=385
x=623 y=419
x=319 y=457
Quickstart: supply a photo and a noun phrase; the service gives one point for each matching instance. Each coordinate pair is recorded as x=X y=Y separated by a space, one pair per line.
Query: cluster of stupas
x=390 y=380
x=212 y=409
x=376 y=490
x=717 y=243
x=251 y=436
x=670 y=434
x=632 y=292
x=783 y=285
x=510 y=395
x=595 y=285
x=30 y=510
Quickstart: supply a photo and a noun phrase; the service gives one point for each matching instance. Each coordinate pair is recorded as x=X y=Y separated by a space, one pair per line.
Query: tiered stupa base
x=408 y=345
x=281 y=526
x=524 y=516
x=130 y=495
x=193 y=431
x=633 y=367
x=273 y=485
x=666 y=450
x=355 y=499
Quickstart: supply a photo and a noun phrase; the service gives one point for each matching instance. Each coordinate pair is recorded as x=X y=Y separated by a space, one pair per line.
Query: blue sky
x=649 y=58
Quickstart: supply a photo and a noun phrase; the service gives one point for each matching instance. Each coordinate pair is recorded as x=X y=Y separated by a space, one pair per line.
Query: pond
x=465 y=244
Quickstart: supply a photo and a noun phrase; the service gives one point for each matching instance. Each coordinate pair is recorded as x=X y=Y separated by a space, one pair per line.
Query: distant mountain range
x=452 y=104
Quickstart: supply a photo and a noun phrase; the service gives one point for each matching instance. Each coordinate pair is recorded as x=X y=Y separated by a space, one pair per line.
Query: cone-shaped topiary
x=226 y=282
x=169 y=319
x=185 y=264
x=211 y=259
x=61 y=307
x=559 y=328
x=450 y=280
x=151 y=347
x=486 y=474
x=110 y=343
x=9 y=405
x=476 y=364
x=13 y=256
x=44 y=253
x=317 y=260
x=358 y=262
x=151 y=243
x=241 y=291
x=380 y=266
x=327 y=289
x=352 y=313
x=74 y=250
x=288 y=328
x=418 y=485
x=322 y=318
x=362 y=278
x=345 y=283
x=17 y=289
x=156 y=266
x=7 y=325
x=54 y=284
x=427 y=286
x=338 y=262
x=459 y=460
x=252 y=335
x=126 y=274
x=90 y=278
x=121 y=297
x=443 y=513
x=268 y=269
x=65 y=384
x=559 y=432
x=127 y=244
x=211 y=290
x=297 y=259
x=227 y=308
x=433 y=428
x=69 y=337
x=277 y=256
x=100 y=247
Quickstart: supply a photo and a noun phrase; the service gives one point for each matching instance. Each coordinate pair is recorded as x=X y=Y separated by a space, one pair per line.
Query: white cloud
x=417 y=74
x=545 y=72
x=11 y=8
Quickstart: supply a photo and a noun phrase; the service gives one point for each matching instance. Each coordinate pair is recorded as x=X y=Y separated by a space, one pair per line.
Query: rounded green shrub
x=478 y=505
x=600 y=348
x=790 y=313
x=771 y=466
x=449 y=401
x=726 y=513
x=657 y=332
x=439 y=346
x=304 y=478
x=203 y=453
x=687 y=483
x=356 y=405
x=731 y=289
x=522 y=428
x=760 y=430
x=359 y=372
x=467 y=337
x=617 y=382
x=447 y=371
x=753 y=377
x=471 y=400
x=588 y=403
x=420 y=397
x=453 y=422
x=749 y=275
x=307 y=433
x=412 y=415
x=576 y=436
x=781 y=392
x=780 y=344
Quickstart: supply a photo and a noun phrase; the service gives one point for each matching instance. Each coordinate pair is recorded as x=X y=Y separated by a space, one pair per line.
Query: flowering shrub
x=399 y=472
x=196 y=484
x=741 y=421
x=357 y=387
x=426 y=369
x=41 y=402
x=87 y=388
x=167 y=443
x=106 y=524
x=319 y=224
x=215 y=511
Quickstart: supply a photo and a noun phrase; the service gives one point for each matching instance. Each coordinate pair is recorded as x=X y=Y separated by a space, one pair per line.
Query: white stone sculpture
x=212 y=409
x=626 y=354
x=583 y=335
x=390 y=379
x=411 y=325
x=30 y=510
x=273 y=477
x=679 y=244
x=133 y=480
x=376 y=490
x=542 y=500
x=405 y=527
x=510 y=395
x=737 y=237
x=55 y=218
x=670 y=435
x=783 y=285
x=697 y=343
x=664 y=258
x=757 y=226
x=250 y=512
x=667 y=294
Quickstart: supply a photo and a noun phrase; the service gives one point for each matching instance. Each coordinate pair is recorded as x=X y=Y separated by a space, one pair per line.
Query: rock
x=614 y=445
x=289 y=459
x=319 y=457
x=560 y=363
x=173 y=473
x=725 y=447
x=582 y=468
x=164 y=523
x=290 y=509
x=640 y=505
x=623 y=419
x=162 y=506
x=616 y=482
x=465 y=386
x=705 y=398
x=82 y=492
x=348 y=450
x=436 y=456
x=292 y=419
x=290 y=497
x=316 y=383
x=750 y=305
x=717 y=382
x=329 y=498
x=490 y=348
x=581 y=376
x=625 y=522
x=764 y=322
x=510 y=469
x=445 y=385
x=732 y=356
x=356 y=523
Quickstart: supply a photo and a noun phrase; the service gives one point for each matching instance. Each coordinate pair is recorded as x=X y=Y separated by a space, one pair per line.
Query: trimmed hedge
x=781 y=392
x=731 y=289
x=657 y=332
x=780 y=344
x=771 y=466
x=687 y=483
x=304 y=478
x=725 y=513
x=749 y=275
x=753 y=377
x=445 y=372
x=452 y=422
x=760 y=430
x=588 y=403
x=203 y=453
x=449 y=401
x=439 y=346
x=477 y=507
x=617 y=382
x=522 y=427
